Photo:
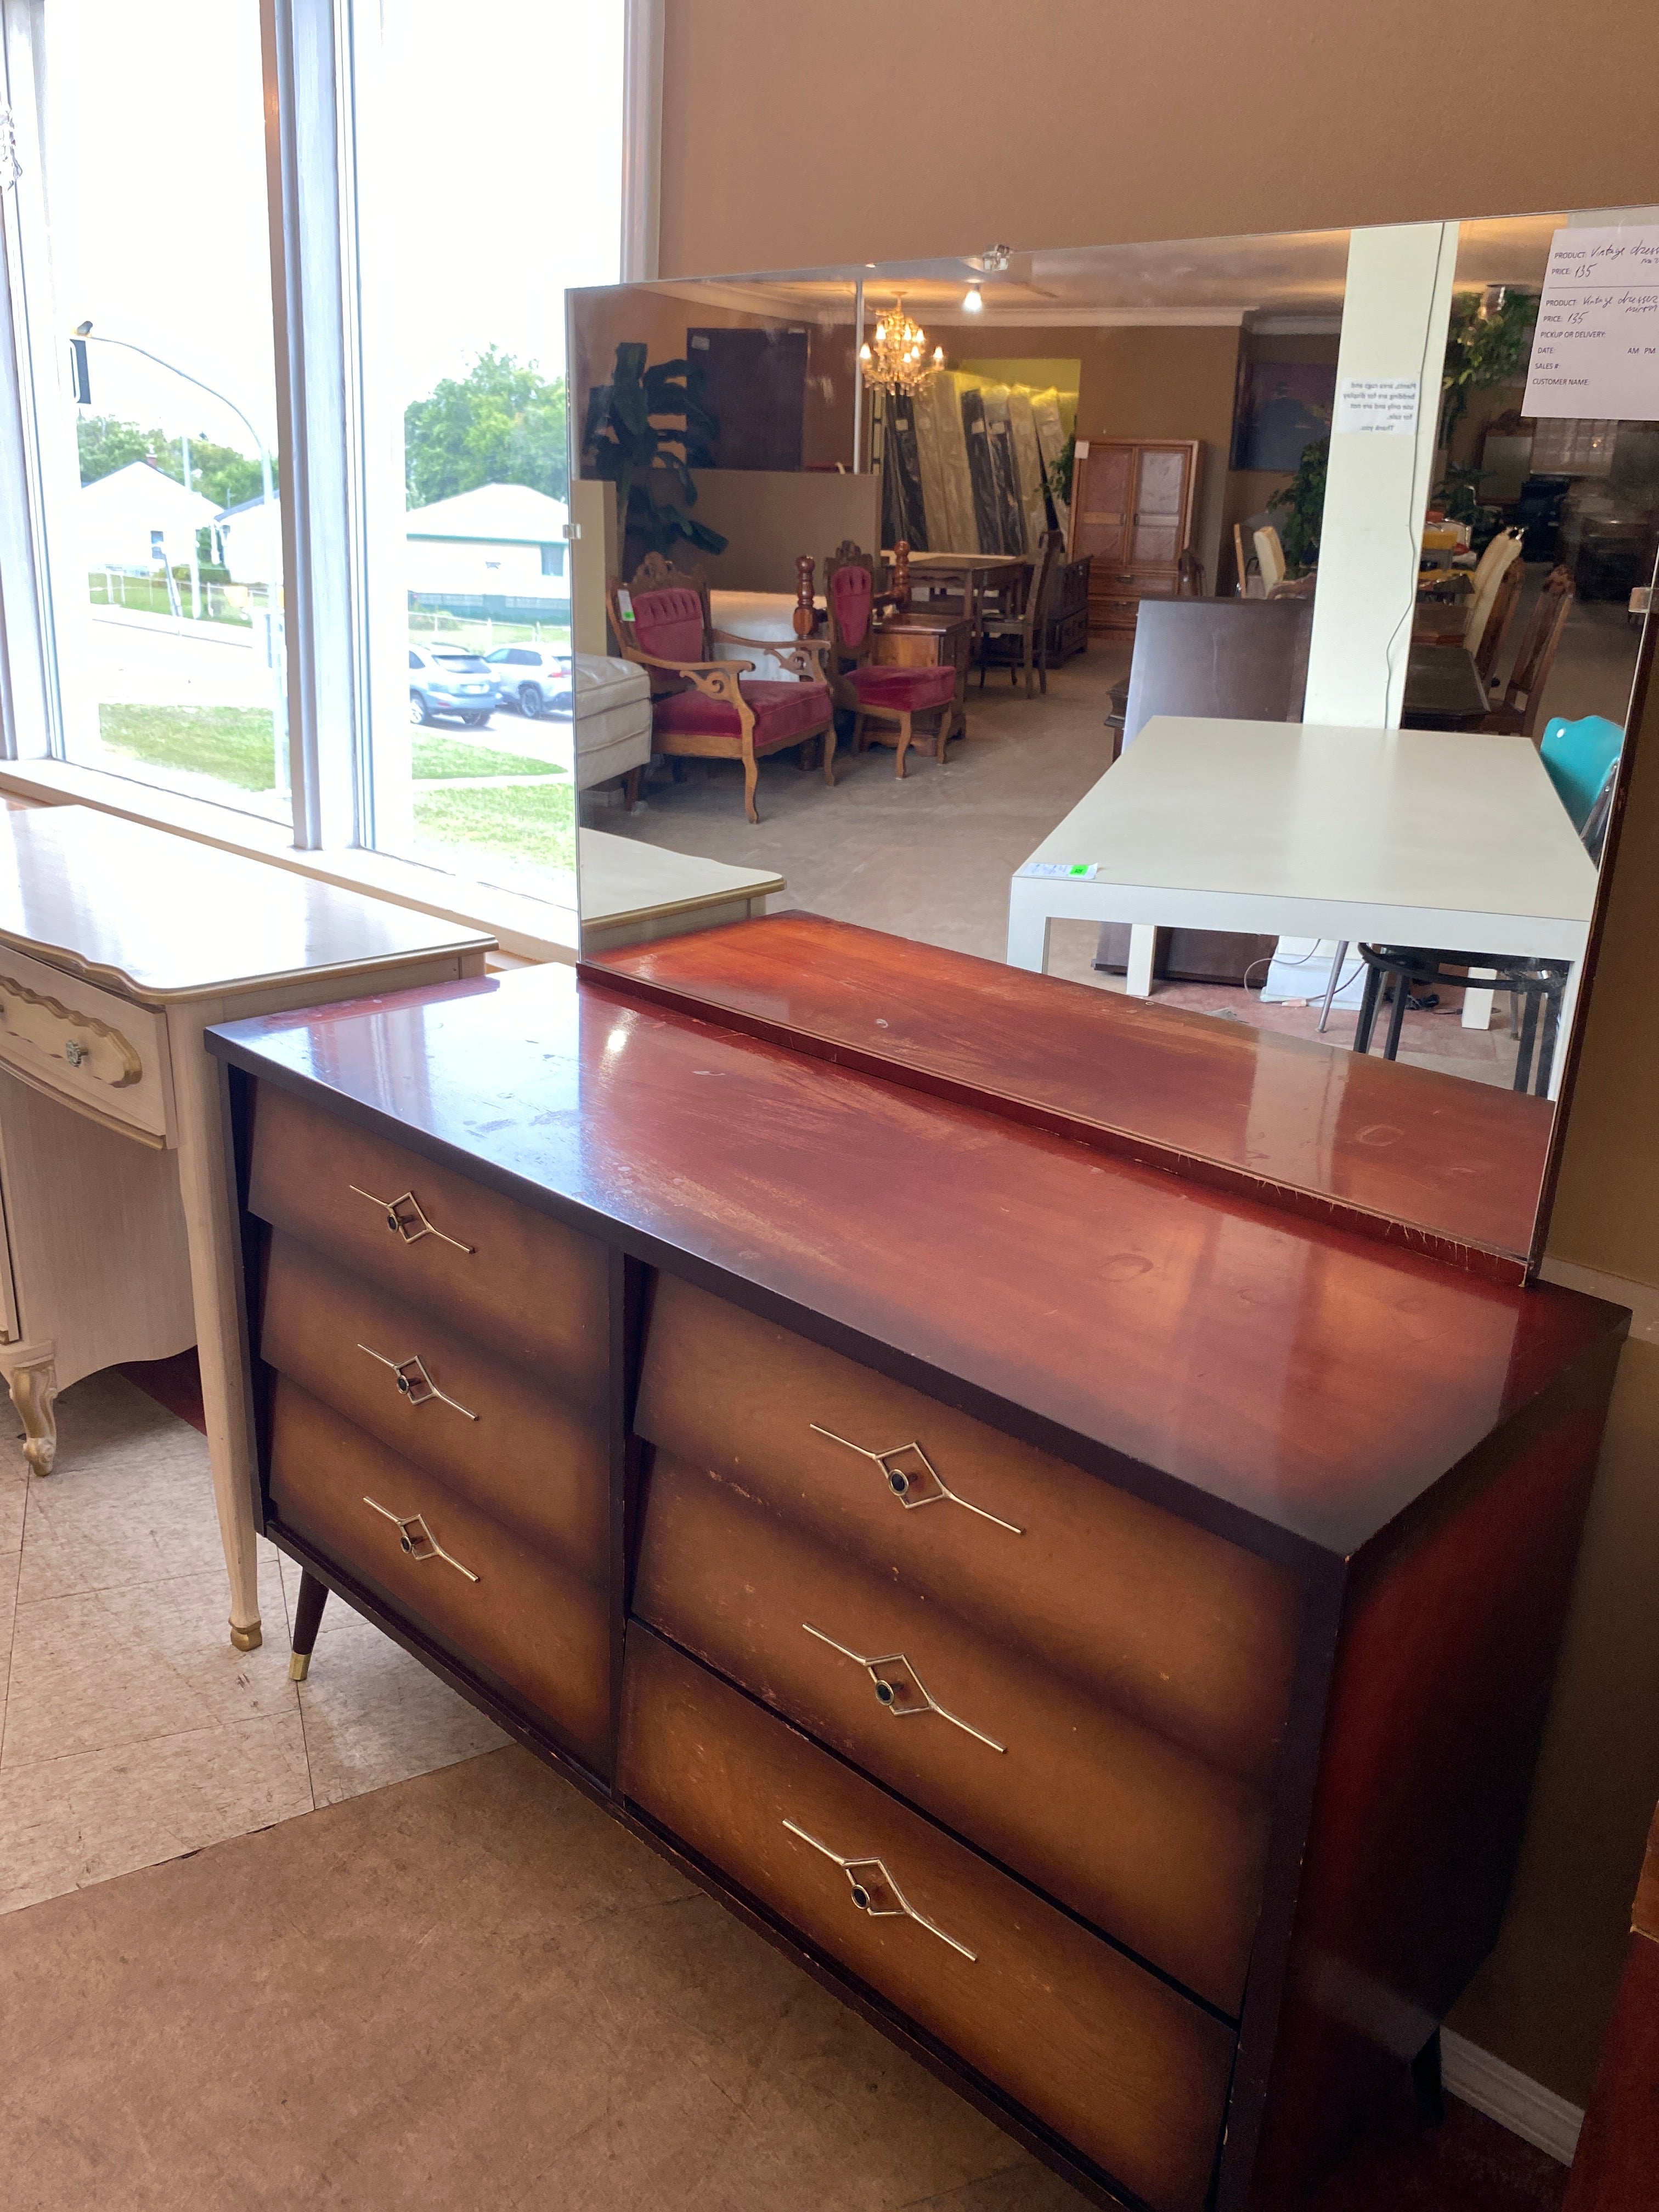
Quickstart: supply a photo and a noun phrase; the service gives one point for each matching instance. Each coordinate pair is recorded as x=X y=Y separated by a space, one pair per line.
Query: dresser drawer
x=529 y=1454
x=102 y=1052
x=1181 y=1630
x=482 y=1592
x=517 y=1281
x=1160 y=1850
x=1110 y=2058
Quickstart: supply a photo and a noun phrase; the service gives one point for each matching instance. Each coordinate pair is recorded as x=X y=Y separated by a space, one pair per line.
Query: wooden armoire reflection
x=1132 y=510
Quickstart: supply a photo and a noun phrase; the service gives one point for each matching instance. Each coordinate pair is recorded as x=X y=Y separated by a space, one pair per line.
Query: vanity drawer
x=523 y=1284
x=527 y=1453
x=1161 y=1850
x=1187 y=1633
x=480 y=1591
x=101 y=1052
x=1108 y=2057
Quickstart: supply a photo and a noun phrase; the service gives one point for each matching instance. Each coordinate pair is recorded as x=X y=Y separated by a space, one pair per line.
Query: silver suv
x=529 y=675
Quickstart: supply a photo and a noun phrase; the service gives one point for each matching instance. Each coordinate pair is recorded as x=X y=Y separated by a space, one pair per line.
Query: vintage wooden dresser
x=1098 y=1623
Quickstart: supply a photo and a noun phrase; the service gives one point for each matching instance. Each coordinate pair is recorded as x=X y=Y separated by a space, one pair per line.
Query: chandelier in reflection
x=896 y=359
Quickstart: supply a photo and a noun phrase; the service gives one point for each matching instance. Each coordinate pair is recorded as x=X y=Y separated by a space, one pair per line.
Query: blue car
x=452 y=683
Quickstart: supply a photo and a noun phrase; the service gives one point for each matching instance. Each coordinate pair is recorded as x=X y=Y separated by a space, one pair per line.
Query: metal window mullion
x=306 y=45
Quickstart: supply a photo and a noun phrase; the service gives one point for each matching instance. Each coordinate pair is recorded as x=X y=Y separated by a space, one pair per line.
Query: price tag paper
x=1595 y=352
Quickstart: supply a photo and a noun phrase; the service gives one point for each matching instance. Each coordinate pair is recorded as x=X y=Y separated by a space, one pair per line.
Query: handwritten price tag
x=1596 y=350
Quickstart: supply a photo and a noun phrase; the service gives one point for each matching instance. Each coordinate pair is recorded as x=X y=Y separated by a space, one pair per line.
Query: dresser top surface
x=1463 y=1161
x=1310 y=1380
x=163 y=917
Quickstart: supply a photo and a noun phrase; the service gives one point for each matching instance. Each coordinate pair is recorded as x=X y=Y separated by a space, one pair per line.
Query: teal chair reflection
x=1578 y=756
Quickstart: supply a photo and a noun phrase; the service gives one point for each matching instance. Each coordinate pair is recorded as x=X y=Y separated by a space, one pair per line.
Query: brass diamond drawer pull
x=900 y=1690
x=919 y=1484
x=417 y=1540
x=416 y=1385
x=407 y=1217
x=875 y=1891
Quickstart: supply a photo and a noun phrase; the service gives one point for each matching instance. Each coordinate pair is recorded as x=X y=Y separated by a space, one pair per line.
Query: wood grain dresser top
x=163 y=917
x=1286 y=1382
x=1336 y=1134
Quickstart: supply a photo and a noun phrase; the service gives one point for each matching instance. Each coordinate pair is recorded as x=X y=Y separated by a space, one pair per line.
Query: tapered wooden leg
x=942 y=732
x=32 y=1389
x=631 y=783
x=828 y=742
x=308 y=1619
x=1427 y=2084
x=859 y=739
x=204 y=1183
x=903 y=744
x=751 y=778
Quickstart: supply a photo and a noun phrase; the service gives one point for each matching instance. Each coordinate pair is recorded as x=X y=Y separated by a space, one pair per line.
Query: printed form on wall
x=1596 y=350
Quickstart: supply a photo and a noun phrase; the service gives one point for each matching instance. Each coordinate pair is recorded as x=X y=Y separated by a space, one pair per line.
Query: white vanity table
x=118 y=945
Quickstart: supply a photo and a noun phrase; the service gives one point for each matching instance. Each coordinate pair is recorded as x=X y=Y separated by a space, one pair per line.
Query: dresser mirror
x=1234 y=630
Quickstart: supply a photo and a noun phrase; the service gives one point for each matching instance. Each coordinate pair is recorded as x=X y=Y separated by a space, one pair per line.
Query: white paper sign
x=1596 y=350
x=1387 y=404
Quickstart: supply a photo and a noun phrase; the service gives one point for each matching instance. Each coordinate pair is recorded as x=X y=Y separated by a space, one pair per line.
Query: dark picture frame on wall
x=1283 y=407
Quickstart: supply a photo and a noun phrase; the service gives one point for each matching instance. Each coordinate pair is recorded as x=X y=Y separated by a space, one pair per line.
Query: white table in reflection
x=1297 y=829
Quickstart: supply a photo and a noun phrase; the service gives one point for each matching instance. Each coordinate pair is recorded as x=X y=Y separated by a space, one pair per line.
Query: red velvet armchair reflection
x=888 y=697
x=716 y=709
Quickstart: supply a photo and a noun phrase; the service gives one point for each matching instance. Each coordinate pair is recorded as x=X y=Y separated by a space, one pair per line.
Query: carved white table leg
x=210 y=1199
x=33 y=1386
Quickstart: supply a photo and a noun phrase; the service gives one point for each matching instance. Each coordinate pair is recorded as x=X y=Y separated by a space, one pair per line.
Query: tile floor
x=309 y=1945
x=131 y=1732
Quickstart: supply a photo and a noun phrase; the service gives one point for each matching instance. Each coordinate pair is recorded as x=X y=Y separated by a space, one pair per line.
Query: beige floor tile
x=68 y=1822
x=8 y=1621
x=13 y=1500
x=105 y=1669
x=374 y=1716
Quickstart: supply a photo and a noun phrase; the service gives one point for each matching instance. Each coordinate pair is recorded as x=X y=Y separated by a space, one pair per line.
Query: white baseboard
x=1524 y=2106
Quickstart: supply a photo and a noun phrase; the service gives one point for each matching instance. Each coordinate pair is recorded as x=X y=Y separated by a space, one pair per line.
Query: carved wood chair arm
x=690 y=668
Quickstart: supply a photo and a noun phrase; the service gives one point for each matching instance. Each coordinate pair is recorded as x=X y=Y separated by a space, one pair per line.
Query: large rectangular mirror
x=1238 y=629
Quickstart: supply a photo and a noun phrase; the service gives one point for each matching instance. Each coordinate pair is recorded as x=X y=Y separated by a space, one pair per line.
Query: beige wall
x=793 y=137
x=938 y=132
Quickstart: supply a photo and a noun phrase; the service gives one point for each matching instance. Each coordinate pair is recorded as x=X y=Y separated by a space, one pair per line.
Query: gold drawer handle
x=40 y=1032
x=875 y=1891
x=417 y=1387
x=908 y=1486
x=412 y=1225
x=418 y=1540
x=900 y=1689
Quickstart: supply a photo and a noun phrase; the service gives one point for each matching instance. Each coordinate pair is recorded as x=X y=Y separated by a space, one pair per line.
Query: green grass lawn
x=231 y=744
x=535 y=823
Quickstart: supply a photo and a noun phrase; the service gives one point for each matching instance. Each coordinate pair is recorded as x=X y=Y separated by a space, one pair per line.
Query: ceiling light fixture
x=973 y=301
x=894 y=360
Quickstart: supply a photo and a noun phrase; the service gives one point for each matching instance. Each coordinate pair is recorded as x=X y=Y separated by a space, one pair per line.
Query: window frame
x=348 y=720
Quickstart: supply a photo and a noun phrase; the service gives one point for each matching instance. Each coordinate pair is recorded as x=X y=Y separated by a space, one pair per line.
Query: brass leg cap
x=299 y=1666
x=246 y=1639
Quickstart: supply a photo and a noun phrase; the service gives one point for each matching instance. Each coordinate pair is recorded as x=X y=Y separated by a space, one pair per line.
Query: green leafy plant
x=644 y=432
x=1484 y=346
x=1060 y=474
x=502 y=422
x=1301 y=503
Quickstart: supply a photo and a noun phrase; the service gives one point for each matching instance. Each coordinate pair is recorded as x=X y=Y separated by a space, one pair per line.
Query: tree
x=218 y=472
x=503 y=423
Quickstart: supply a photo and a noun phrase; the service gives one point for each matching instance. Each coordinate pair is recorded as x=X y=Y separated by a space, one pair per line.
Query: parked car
x=452 y=682
x=529 y=675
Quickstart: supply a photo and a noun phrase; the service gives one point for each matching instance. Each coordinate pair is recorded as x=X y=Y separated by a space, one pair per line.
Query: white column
x=1394 y=314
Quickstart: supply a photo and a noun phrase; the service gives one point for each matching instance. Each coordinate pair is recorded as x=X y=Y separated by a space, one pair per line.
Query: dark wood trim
x=1644 y=695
